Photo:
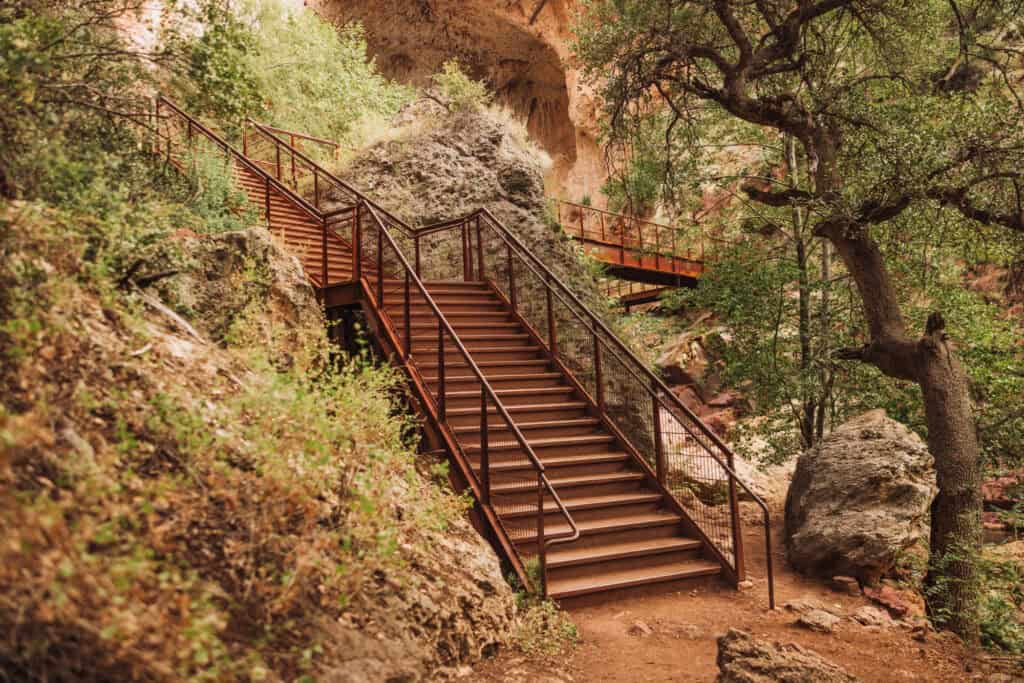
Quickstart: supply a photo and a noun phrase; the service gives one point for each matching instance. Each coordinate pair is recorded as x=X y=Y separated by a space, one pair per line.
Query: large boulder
x=859 y=499
x=744 y=659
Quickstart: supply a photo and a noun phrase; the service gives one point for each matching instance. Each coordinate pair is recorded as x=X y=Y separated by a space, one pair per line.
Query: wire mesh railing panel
x=695 y=475
x=443 y=254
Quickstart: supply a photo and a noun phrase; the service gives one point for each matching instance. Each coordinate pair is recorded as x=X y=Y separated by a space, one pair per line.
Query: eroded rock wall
x=528 y=65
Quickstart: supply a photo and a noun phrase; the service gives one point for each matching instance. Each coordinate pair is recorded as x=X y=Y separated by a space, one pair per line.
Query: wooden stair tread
x=589 y=503
x=590 y=527
x=559 y=588
x=567 y=555
x=532 y=407
x=513 y=392
x=579 y=440
x=568 y=482
x=576 y=422
x=576 y=459
x=496 y=378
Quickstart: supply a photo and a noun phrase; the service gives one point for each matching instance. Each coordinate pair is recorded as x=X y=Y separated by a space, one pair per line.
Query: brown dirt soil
x=686 y=619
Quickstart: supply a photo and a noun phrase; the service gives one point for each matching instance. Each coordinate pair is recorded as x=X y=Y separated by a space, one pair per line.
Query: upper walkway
x=635 y=249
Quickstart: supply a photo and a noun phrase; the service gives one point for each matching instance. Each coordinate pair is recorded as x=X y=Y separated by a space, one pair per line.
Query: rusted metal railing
x=688 y=460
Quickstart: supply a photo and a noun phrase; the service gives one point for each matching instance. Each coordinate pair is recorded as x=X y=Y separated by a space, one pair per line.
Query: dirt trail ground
x=675 y=639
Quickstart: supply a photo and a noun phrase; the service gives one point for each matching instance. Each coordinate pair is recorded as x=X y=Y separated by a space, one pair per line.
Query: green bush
x=315 y=78
x=458 y=91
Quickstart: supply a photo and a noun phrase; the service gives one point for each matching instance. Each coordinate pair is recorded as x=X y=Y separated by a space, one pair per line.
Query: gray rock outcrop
x=437 y=165
x=859 y=499
x=744 y=659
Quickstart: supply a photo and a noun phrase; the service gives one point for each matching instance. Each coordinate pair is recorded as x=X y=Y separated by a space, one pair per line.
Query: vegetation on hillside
x=885 y=137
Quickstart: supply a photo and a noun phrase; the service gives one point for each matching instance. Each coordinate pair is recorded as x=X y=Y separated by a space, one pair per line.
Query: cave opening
x=411 y=39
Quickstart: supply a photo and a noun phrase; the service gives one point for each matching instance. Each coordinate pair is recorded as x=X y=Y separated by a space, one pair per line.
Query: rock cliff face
x=528 y=64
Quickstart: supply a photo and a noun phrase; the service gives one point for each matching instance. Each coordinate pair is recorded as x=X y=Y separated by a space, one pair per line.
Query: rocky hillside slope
x=192 y=489
x=435 y=165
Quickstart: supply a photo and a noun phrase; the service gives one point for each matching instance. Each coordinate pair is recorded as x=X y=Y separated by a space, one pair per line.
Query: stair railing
x=183 y=128
x=507 y=494
x=688 y=459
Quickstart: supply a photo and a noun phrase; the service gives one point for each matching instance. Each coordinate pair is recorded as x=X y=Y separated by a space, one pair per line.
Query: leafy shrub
x=315 y=78
x=458 y=91
x=217 y=201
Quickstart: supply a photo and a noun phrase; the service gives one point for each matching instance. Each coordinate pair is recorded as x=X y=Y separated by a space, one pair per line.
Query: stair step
x=593 y=527
x=524 y=426
x=553 y=462
x=502 y=393
x=569 y=555
x=547 y=443
x=513 y=410
x=626 y=578
x=559 y=483
x=586 y=503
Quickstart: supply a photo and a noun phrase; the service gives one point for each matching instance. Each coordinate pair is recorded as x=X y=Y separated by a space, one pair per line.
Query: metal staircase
x=589 y=474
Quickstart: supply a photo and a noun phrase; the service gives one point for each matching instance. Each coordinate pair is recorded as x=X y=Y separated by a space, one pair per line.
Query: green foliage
x=544 y=630
x=219 y=204
x=219 y=81
x=458 y=91
x=1000 y=587
x=313 y=77
x=196 y=526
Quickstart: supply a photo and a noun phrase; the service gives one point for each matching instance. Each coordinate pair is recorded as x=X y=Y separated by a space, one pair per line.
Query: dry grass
x=176 y=509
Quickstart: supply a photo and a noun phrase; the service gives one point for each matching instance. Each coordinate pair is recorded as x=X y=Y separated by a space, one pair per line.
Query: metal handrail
x=543 y=541
x=269 y=133
x=295 y=134
x=228 y=147
x=654 y=385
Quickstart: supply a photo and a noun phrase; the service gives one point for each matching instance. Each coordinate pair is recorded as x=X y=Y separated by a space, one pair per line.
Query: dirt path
x=654 y=635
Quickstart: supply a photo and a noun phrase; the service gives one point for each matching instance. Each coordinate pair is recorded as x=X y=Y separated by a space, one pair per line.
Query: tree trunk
x=956 y=512
x=930 y=362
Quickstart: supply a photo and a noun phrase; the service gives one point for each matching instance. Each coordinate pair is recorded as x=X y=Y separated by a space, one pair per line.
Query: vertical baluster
x=734 y=516
x=357 y=247
x=675 y=259
x=291 y=152
x=440 y=371
x=598 y=374
x=659 y=449
x=266 y=191
x=542 y=551
x=657 y=248
x=380 y=267
x=603 y=238
x=552 y=331
x=277 y=155
x=485 y=458
x=316 y=188
x=416 y=246
x=408 y=321
x=245 y=139
x=511 y=278
x=479 y=250
x=323 y=256
x=465 y=254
